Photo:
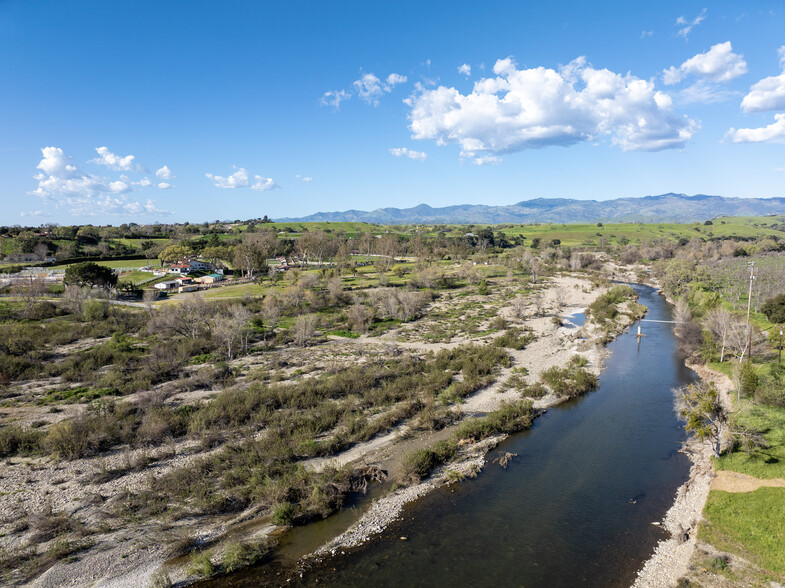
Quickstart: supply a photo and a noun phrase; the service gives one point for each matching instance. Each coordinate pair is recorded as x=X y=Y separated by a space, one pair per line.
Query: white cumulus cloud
x=369 y=88
x=164 y=173
x=773 y=133
x=411 y=154
x=238 y=179
x=241 y=179
x=64 y=184
x=769 y=93
x=394 y=79
x=165 y=186
x=465 y=69
x=538 y=107
x=112 y=161
x=718 y=64
x=263 y=184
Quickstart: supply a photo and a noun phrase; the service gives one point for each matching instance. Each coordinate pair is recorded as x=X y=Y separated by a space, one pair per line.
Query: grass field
x=764 y=463
x=121 y=264
x=751 y=524
x=236 y=291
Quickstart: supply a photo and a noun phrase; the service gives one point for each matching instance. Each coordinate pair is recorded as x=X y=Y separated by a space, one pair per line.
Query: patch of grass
x=235 y=291
x=763 y=463
x=343 y=333
x=240 y=555
x=750 y=524
x=81 y=394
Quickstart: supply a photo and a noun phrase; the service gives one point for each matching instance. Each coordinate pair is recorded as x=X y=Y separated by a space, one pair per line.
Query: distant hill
x=662 y=208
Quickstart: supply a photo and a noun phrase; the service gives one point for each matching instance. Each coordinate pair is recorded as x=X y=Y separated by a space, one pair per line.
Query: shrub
x=283 y=514
x=774 y=309
x=17 y=441
x=67 y=439
x=239 y=555
x=514 y=338
x=572 y=380
x=748 y=379
x=418 y=464
x=200 y=565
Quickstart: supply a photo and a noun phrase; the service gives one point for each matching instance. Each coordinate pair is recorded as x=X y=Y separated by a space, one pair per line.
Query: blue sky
x=113 y=111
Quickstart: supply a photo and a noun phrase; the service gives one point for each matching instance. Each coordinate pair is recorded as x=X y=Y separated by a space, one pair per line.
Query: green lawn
x=751 y=524
x=764 y=463
x=121 y=263
x=236 y=291
x=137 y=277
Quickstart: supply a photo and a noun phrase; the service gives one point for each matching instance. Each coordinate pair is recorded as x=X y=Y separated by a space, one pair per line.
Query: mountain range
x=662 y=208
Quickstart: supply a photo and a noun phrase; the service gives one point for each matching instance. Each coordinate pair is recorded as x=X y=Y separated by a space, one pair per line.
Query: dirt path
x=728 y=481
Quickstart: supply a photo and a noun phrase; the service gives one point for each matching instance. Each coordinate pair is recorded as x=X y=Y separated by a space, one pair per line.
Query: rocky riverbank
x=671 y=558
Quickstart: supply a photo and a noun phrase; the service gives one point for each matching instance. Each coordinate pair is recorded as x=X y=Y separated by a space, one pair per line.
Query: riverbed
x=575 y=507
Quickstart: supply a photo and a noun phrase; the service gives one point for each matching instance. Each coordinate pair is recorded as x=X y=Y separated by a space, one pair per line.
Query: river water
x=574 y=508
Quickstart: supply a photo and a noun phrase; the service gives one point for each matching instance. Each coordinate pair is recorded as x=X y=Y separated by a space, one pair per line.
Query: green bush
x=17 y=441
x=572 y=380
x=511 y=417
x=283 y=514
x=240 y=555
x=200 y=565
x=514 y=338
x=418 y=464
x=604 y=307
x=774 y=309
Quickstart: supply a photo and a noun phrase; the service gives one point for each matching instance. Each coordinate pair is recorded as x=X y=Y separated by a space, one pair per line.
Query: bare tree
x=74 y=298
x=41 y=250
x=335 y=288
x=231 y=332
x=148 y=298
x=720 y=324
x=254 y=251
x=271 y=311
x=366 y=243
x=304 y=329
x=559 y=300
x=190 y=318
x=389 y=247
x=360 y=317
x=30 y=293
x=316 y=246
x=538 y=302
x=518 y=306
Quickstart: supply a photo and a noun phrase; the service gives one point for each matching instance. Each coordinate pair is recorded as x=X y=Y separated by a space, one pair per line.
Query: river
x=574 y=508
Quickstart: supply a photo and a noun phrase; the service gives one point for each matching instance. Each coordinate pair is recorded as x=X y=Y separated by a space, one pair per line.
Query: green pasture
x=750 y=524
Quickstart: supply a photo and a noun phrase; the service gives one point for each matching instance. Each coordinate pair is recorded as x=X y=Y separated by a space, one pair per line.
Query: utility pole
x=749 y=302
